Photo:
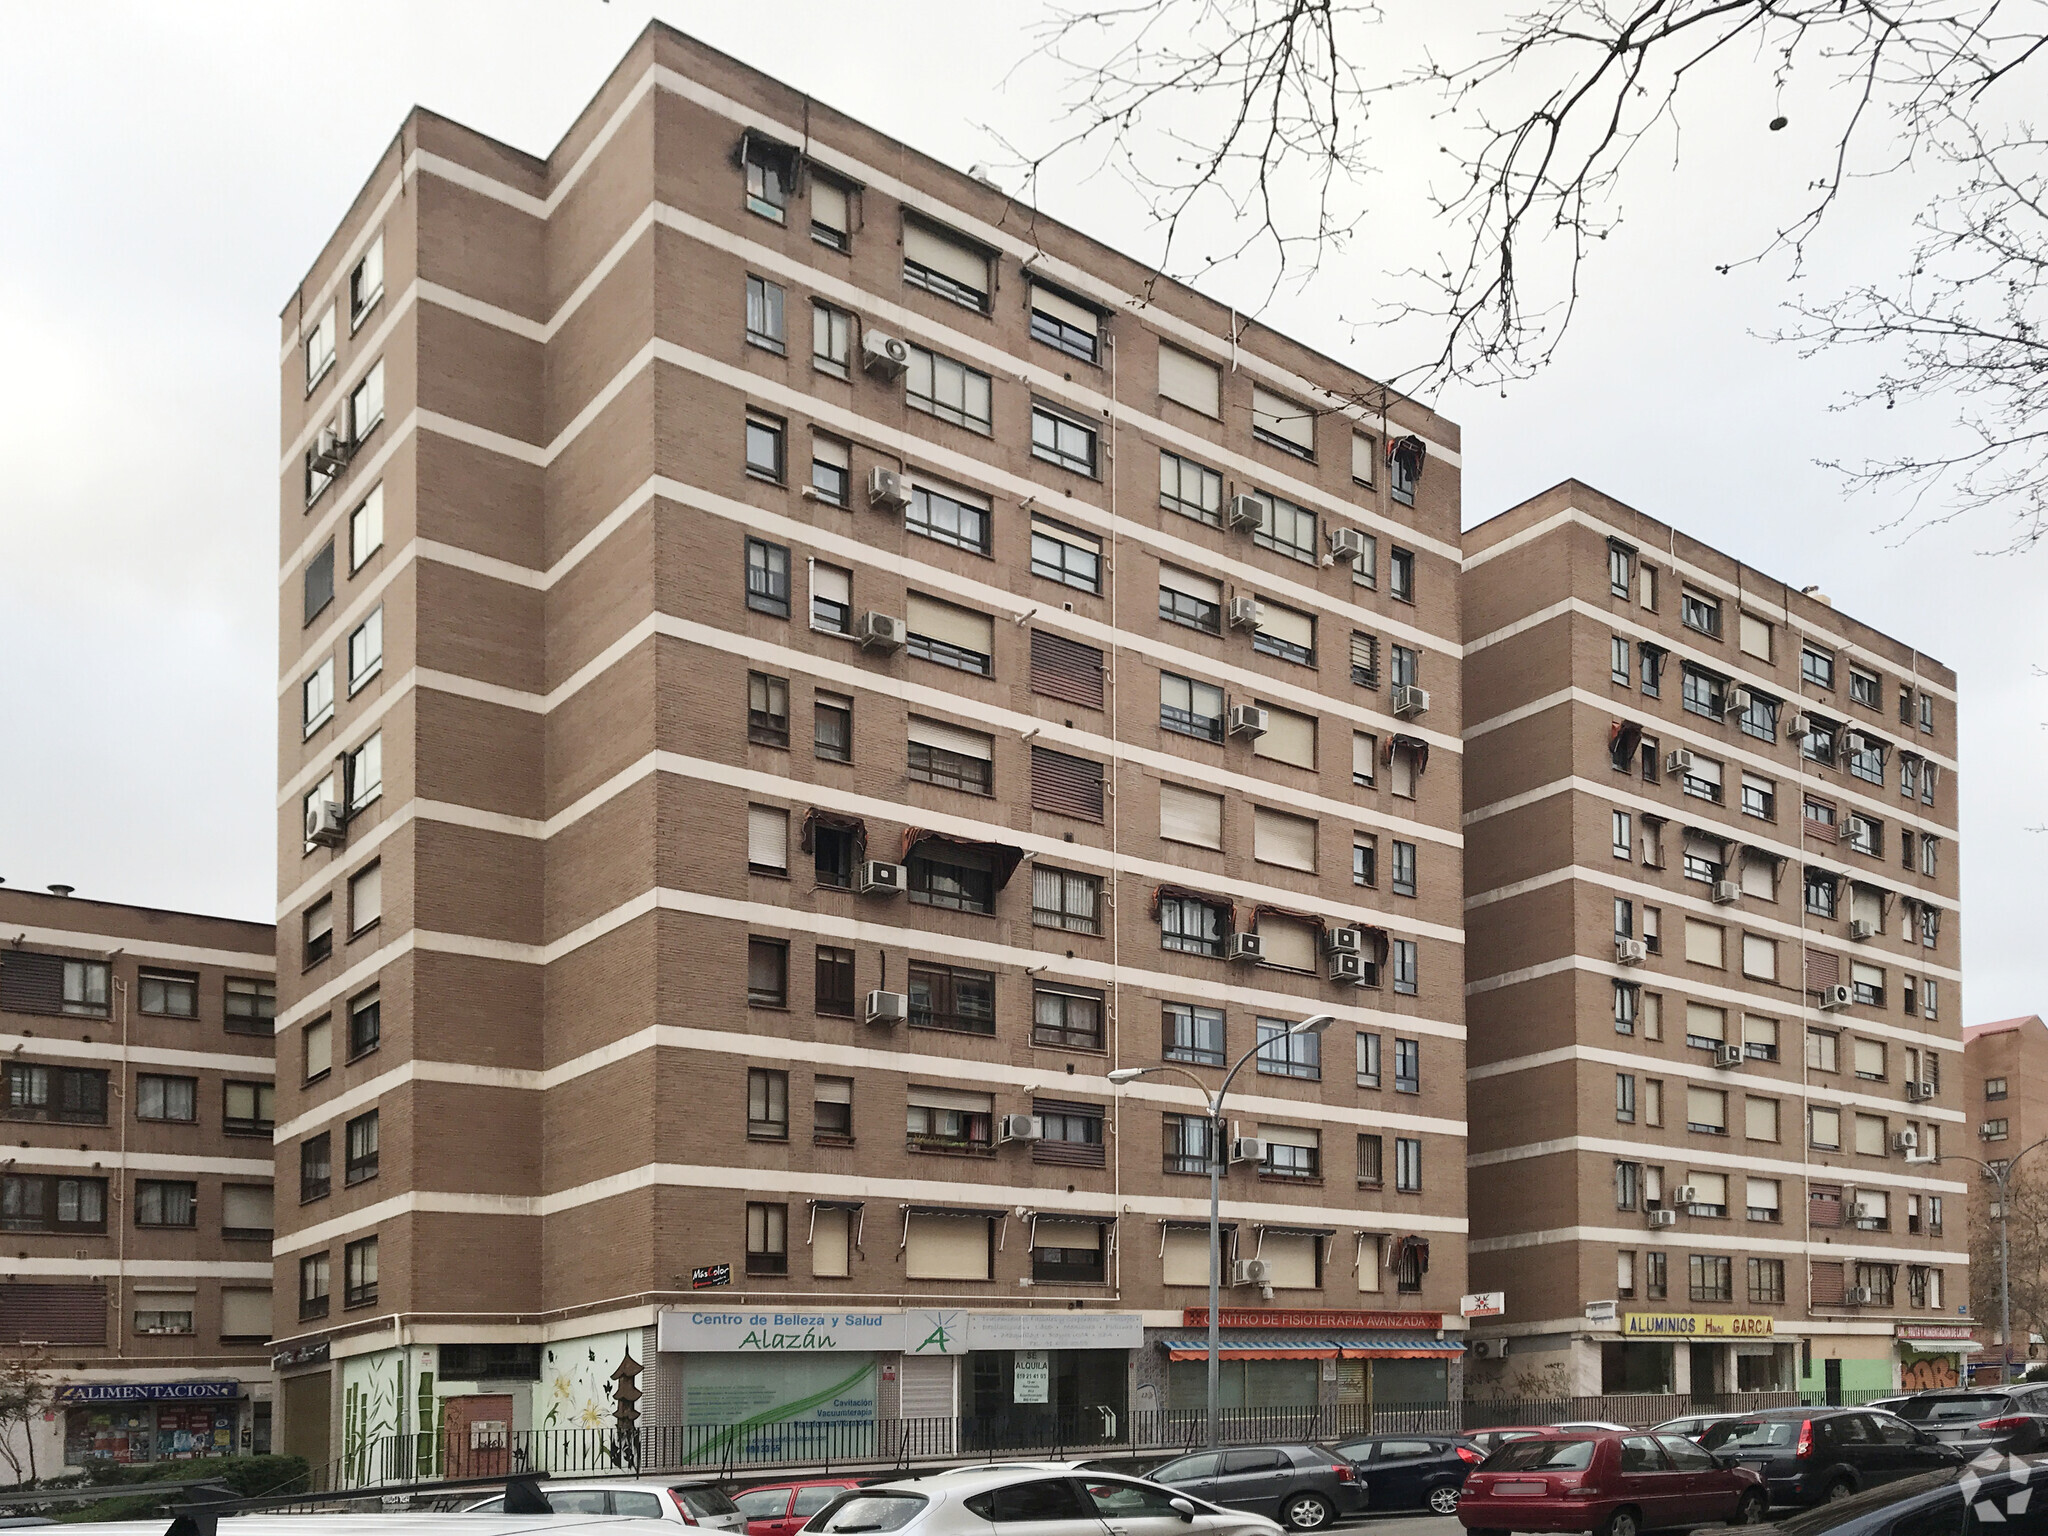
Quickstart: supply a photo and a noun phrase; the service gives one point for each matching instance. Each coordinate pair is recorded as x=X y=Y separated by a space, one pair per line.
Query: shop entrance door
x=308 y=1419
x=478 y=1435
x=1706 y=1370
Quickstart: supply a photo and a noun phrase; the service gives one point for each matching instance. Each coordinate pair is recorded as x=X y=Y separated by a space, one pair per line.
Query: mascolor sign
x=1694 y=1325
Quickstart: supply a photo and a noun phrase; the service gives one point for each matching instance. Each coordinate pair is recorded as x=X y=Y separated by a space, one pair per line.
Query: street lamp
x=2001 y=1175
x=1314 y=1024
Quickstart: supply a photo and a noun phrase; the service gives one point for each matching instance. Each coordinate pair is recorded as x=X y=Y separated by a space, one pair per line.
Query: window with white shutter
x=1189 y=380
x=1287 y=943
x=1703 y=944
x=1293 y=1259
x=948 y=1247
x=1279 y=838
x=1284 y=423
x=946 y=264
x=1190 y=816
x=244 y=1314
x=768 y=839
x=1289 y=738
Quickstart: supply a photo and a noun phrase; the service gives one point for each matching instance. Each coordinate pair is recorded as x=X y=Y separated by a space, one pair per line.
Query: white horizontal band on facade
x=110 y=1268
x=340 y=382
x=141 y=1162
x=256 y=962
x=1699 y=577
x=1047 y=1201
x=1612 y=797
x=138 y=1055
x=311 y=310
x=1671 y=1237
x=1729 y=1078
x=1671 y=985
x=1713 y=1160
x=1611 y=880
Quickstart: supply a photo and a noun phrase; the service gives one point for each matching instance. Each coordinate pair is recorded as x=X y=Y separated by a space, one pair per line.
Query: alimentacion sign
x=1695 y=1325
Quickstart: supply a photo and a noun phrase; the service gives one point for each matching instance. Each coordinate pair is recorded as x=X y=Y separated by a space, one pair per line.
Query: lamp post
x=1314 y=1024
x=2000 y=1174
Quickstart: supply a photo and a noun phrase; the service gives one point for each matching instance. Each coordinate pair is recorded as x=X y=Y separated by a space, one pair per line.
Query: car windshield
x=1827 y=1517
x=1952 y=1410
x=870 y=1512
x=1542 y=1455
x=1751 y=1434
x=703 y=1500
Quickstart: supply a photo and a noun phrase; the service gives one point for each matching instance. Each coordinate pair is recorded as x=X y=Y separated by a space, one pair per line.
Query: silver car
x=680 y=1501
x=1056 y=1503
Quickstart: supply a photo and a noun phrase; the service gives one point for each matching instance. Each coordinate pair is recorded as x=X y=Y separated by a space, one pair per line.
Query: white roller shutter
x=1762 y=1195
x=767 y=837
x=1287 y=624
x=963 y=627
x=1190 y=816
x=1290 y=1136
x=1756 y=637
x=1278 y=416
x=831 y=1244
x=1703 y=944
x=1759 y=957
x=1706 y=1106
x=1278 y=838
x=1186 y=1259
x=1712 y=1188
x=1064 y=309
x=1289 y=738
x=1187 y=379
x=927 y=1389
x=1364 y=757
x=1866 y=906
x=246 y=1207
x=950 y=738
x=1293 y=1260
x=1364 y=450
x=1760 y=1120
x=1705 y=1023
x=828 y=205
x=1759 y=878
x=1068 y=1234
x=1868 y=1056
x=245 y=1314
x=950 y=1098
x=1288 y=943
x=947 y=1248
x=832 y=583
x=319 y=1047
x=1203 y=587
x=943 y=254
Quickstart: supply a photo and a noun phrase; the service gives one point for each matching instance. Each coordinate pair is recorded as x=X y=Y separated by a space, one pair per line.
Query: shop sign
x=1055 y=1330
x=705 y=1276
x=300 y=1354
x=1261 y=1317
x=1484 y=1304
x=1032 y=1373
x=740 y=1330
x=146 y=1391
x=1695 y=1325
x=1945 y=1333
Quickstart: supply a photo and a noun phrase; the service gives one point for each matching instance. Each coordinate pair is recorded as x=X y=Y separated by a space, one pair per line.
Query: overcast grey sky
x=172 y=170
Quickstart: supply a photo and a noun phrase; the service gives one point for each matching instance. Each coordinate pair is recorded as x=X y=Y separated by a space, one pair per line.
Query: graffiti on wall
x=1925 y=1373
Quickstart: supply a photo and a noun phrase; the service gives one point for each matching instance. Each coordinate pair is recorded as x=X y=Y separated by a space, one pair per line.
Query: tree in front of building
x=2027 y=1224
x=25 y=1395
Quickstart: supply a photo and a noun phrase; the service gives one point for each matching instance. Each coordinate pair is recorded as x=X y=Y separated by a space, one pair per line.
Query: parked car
x=1929 y=1504
x=1412 y=1471
x=1610 y=1483
x=1691 y=1425
x=779 y=1509
x=696 y=1501
x=1056 y=1503
x=1579 y=1426
x=1811 y=1455
x=1306 y=1486
x=2010 y=1420
x=1491 y=1440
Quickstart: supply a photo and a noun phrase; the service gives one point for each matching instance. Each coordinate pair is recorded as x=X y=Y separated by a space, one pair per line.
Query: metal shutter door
x=1066 y=669
x=927 y=1387
x=1065 y=786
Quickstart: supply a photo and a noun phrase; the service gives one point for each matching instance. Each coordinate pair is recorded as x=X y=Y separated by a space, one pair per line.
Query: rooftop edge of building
x=127 y=920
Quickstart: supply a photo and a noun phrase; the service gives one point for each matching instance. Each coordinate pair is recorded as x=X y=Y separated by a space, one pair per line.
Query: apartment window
x=366 y=772
x=1186 y=1139
x=1928 y=999
x=1929 y=861
x=831 y=598
x=768 y=578
x=319 y=696
x=248 y=1109
x=1700 y=612
x=950 y=637
x=1819 y=744
x=1620 y=559
x=1710 y=1278
x=950 y=997
x=319 y=581
x=831 y=483
x=1702 y=778
x=1192 y=926
x=832 y=727
x=366 y=404
x=1061 y=439
x=166 y=1203
x=1877 y=1279
x=366 y=649
x=1823 y=1048
x=31 y=1202
x=768 y=178
x=313 y=1282
x=1622 y=839
x=1371 y=1154
x=1365 y=848
x=1628 y=1177
x=1994 y=1087
x=365 y=898
x=949 y=876
x=1190 y=600
x=1291 y=635
x=365 y=1023
x=1406 y=967
x=1403 y=469
x=1655 y=1285
x=832 y=1108
x=1767 y=1280
x=1063 y=324
x=1625 y=1274
x=1191 y=489
x=1281 y=423
x=1706 y=1027
x=950 y=758
x=1618 y=665
x=831 y=217
x=1408 y=1164
x=1291 y=1152
x=1704 y=692
x=1368 y=1060
x=767 y=973
x=319 y=1048
x=1816 y=666
x=1653 y=929
x=1820 y=892
x=1624 y=918
x=1706 y=1111
x=319 y=935
x=767 y=840
x=1065 y=899
x=767 y=710
x=1190 y=708
x=948 y=1120
x=1759 y=717
x=320 y=349
x=172 y=994
x=1286 y=529
x=1866 y=985
x=1067 y=1018
x=1404 y=868
x=359 y=1271
x=1995 y=1130
x=764 y=314
x=1627 y=1003
x=366 y=529
x=1759 y=797
x=1364 y=758
x=360 y=1139
x=1864 y=688
x=833 y=981
x=1824 y=1128
x=316 y=1167
x=943 y=263
x=831 y=339
x=1754 y=636
x=767 y=459
x=951 y=391
x=1066 y=555
x=1192 y=1033
x=68 y=1095
x=1284 y=1055
x=1401 y=574
x=767 y=1105
x=174 y=1099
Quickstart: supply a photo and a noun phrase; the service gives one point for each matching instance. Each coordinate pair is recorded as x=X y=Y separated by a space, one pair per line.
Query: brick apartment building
x=1714 y=1000
x=135 y=1204
x=786 y=655
x=2005 y=1091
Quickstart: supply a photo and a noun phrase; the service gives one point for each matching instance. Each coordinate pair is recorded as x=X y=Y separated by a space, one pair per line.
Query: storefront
x=130 y=1422
x=1932 y=1355
x=1269 y=1358
x=1706 y=1354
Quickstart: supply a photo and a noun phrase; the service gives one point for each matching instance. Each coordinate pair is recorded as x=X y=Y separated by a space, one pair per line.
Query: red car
x=781 y=1509
x=1614 y=1484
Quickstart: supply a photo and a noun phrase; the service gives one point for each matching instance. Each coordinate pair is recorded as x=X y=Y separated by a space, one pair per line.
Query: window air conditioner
x=1250 y=1272
x=1683 y=1194
x=882 y=632
x=330 y=452
x=1726 y=1055
x=1926 y=1091
x=1835 y=999
x=1907 y=1140
x=1020 y=1128
x=880 y=879
x=1861 y=928
x=888 y=487
x=1857 y=1296
x=1410 y=700
x=1245 y=947
x=1347 y=965
x=1726 y=893
x=1247 y=512
x=882 y=354
x=1247 y=1149
x=1736 y=702
x=1244 y=613
x=887 y=1007
x=1656 y=1219
x=324 y=825
x=1630 y=951
x=1679 y=761
x=1342 y=941
x=1247 y=720
x=1347 y=544
x=1801 y=724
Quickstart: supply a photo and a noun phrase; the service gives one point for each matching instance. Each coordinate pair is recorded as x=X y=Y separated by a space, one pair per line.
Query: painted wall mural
x=577 y=1389
x=371 y=1386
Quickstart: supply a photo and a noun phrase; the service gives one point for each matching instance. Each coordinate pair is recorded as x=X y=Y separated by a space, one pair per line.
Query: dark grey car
x=1305 y=1487
x=2010 y=1420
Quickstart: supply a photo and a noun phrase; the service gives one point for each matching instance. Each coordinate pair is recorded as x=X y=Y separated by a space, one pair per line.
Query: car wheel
x=1623 y=1522
x=1753 y=1509
x=1444 y=1500
x=1306 y=1512
x=1840 y=1488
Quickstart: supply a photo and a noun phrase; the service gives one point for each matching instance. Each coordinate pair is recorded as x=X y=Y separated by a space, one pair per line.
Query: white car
x=1692 y=1425
x=679 y=1502
x=1056 y=1502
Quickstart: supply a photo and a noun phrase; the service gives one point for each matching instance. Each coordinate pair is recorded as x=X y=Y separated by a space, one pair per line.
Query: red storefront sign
x=1261 y=1317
